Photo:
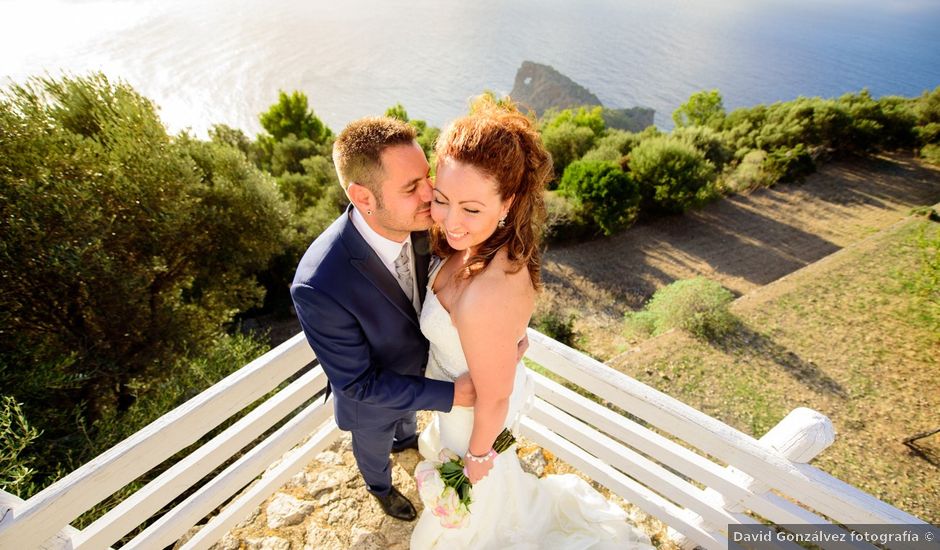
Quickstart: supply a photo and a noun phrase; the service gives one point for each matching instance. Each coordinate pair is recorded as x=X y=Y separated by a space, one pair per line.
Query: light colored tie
x=403 y=272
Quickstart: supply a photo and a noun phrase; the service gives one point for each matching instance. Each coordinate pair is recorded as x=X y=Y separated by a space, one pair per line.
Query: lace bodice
x=446 y=360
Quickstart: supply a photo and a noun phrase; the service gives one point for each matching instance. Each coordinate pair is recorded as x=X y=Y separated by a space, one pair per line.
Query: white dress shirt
x=386 y=249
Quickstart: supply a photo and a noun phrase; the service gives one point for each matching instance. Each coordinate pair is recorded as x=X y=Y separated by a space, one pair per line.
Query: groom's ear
x=361 y=197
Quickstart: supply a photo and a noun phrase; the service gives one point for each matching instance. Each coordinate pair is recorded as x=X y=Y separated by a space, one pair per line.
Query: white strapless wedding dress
x=510 y=508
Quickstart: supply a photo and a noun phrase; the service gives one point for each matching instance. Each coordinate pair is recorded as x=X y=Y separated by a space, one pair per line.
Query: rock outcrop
x=541 y=88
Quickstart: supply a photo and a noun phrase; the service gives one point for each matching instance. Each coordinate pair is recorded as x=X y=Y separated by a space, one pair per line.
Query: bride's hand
x=475 y=470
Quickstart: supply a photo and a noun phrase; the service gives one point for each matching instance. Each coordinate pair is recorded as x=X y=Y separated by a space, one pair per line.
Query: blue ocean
x=223 y=61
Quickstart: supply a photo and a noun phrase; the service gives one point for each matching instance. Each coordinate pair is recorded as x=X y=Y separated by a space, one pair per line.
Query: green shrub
x=704 y=108
x=564 y=221
x=623 y=142
x=567 y=143
x=931 y=153
x=749 y=174
x=928 y=133
x=603 y=193
x=854 y=122
x=582 y=117
x=639 y=324
x=714 y=145
x=698 y=306
x=288 y=154
x=569 y=134
x=16 y=434
x=927 y=107
x=672 y=174
x=556 y=325
x=604 y=153
x=788 y=165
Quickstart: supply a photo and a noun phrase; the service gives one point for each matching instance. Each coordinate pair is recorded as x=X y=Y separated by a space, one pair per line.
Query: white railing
x=689 y=470
x=684 y=485
x=42 y=521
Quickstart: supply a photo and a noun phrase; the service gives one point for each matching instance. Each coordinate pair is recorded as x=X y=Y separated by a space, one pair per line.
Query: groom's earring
x=368 y=212
x=502 y=222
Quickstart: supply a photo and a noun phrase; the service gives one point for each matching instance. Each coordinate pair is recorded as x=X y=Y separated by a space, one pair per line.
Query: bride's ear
x=507 y=204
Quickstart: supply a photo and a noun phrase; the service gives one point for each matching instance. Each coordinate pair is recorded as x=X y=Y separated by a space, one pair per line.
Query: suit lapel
x=367 y=262
x=422 y=255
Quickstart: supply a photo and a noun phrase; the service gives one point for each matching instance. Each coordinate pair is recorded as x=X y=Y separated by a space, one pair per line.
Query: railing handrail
x=840 y=501
x=44 y=514
x=575 y=428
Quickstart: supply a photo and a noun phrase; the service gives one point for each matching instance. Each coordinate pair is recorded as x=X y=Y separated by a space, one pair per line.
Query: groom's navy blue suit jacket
x=364 y=329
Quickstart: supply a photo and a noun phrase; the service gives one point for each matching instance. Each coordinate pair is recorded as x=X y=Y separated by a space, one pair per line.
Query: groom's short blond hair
x=357 y=151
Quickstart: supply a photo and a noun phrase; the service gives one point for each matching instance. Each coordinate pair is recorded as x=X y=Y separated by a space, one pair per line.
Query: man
x=357 y=293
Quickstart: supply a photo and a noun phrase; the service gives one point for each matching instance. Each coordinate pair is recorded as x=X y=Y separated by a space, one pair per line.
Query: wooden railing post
x=59 y=541
x=799 y=437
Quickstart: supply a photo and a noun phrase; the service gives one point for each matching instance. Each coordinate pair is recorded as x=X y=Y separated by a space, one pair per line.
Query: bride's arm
x=491 y=320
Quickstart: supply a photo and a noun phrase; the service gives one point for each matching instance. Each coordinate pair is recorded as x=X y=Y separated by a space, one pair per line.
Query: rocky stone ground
x=326 y=507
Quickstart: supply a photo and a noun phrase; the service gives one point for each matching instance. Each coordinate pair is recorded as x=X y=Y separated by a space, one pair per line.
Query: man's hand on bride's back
x=464 y=393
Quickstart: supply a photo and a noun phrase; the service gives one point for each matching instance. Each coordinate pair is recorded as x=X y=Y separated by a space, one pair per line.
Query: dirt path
x=743 y=242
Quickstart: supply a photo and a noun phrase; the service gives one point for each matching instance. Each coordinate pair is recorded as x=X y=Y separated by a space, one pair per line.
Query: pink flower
x=428 y=479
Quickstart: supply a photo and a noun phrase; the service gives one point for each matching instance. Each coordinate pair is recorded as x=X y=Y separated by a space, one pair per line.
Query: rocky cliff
x=541 y=87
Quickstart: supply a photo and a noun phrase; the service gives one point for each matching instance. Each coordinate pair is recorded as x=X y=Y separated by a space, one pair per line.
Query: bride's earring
x=502 y=222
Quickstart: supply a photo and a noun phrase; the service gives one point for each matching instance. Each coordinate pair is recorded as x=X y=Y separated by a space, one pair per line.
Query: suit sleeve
x=342 y=349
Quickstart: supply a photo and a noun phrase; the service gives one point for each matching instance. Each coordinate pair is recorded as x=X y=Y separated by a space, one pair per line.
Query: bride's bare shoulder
x=502 y=286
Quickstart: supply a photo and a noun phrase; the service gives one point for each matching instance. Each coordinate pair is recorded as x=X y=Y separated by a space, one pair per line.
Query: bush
x=603 y=193
x=928 y=133
x=698 y=306
x=289 y=153
x=749 y=174
x=16 y=435
x=603 y=153
x=582 y=117
x=854 y=122
x=788 y=165
x=619 y=140
x=712 y=144
x=931 y=153
x=704 y=108
x=613 y=146
x=570 y=133
x=556 y=325
x=673 y=175
x=564 y=220
x=639 y=324
x=567 y=143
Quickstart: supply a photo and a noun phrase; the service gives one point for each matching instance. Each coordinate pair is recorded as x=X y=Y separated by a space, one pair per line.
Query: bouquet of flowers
x=443 y=487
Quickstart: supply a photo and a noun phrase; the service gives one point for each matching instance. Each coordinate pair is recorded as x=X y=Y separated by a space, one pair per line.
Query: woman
x=488 y=210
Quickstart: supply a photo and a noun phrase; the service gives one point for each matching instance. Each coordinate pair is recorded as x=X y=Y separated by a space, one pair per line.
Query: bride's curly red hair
x=505 y=145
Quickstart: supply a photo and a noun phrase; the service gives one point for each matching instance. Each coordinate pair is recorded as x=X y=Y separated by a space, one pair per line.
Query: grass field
x=852 y=336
